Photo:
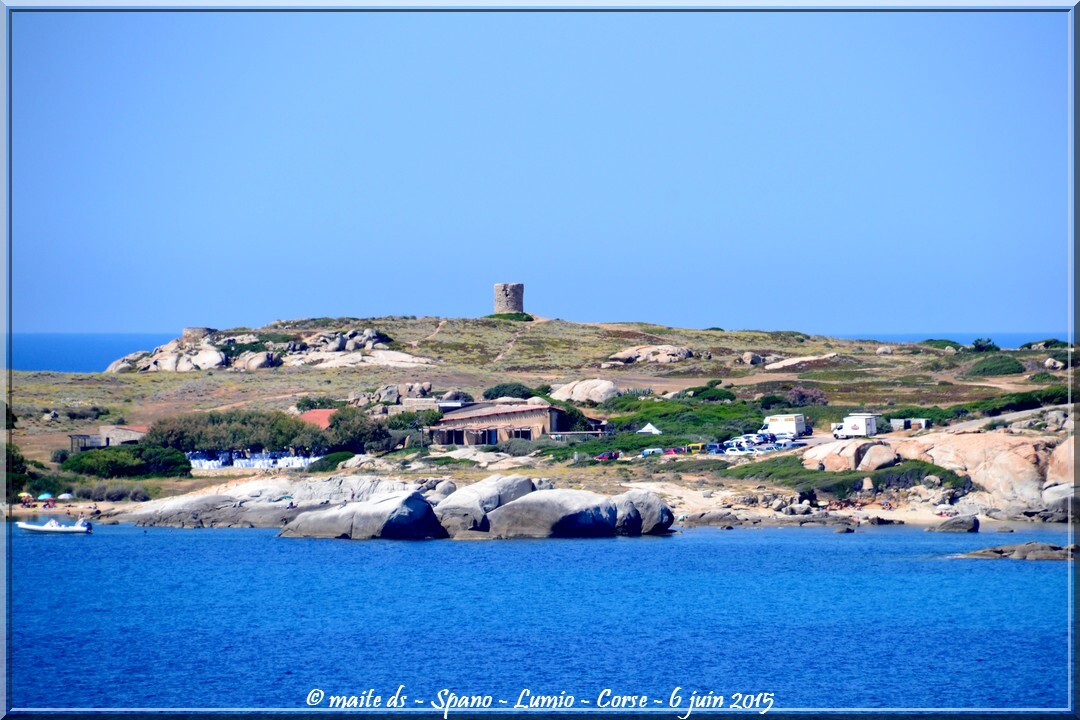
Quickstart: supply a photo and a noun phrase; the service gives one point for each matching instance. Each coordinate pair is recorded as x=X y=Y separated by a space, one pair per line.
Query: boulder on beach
x=467 y=508
x=653 y=516
x=404 y=515
x=962 y=523
x=555 y=514
x=711 y=517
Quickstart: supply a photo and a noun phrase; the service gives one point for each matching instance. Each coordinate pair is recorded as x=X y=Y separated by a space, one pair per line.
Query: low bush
x=318 y=403
x=511 y=389
x=516 y=317
x=942 y=344
x=711 y=394
x=518 y=447
x=789 y=471
x=129 y=461
x=981 y=345
x=802 y=396
x=59 y=456
x=411 y=420
x=1048 y=344
x=90 y=413
x=137 y=494
x=329 y=462
x=996 y=365
x=1042 y=377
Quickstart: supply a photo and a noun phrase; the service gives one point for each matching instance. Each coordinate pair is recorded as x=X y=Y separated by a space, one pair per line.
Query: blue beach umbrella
x=45 y=496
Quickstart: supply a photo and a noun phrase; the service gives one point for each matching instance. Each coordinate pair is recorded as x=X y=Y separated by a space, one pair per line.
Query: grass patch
x=329 y=462
x=449 y=461
x=789 y=472
x=1042 y=378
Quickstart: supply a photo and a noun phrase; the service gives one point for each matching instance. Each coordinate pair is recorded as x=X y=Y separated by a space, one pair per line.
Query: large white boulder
x=596 y=391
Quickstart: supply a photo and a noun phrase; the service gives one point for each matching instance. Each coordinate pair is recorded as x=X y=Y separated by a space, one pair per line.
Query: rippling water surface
x=884 y=618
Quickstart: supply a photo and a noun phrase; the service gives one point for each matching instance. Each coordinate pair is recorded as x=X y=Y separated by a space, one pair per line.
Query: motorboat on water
x=81 y=527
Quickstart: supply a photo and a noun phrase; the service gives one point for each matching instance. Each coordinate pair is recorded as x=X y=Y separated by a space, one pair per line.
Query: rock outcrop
x=555 y=514
x=849 y=455
x=1010 y=468
x=643 y=510
x=961 y=524
x=652 y=354
x=1026 y=551
x=467 y=508
x=402 y=515
x=791 y=362
x=580 y=391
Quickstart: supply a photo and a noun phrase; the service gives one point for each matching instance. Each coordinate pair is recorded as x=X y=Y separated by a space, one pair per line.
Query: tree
x=11 y=419
x=984 y=345
x=350 y=429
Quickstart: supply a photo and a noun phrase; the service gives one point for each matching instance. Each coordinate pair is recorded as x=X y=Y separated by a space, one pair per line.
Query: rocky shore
x=366 y=507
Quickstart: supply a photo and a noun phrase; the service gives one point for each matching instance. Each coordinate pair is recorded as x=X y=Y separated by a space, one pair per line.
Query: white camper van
x=856 y=425
x=794 y=425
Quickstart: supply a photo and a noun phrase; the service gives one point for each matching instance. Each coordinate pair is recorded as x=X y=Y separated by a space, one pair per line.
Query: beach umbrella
x=65 y=496
x=25 y=494
x=45 y=496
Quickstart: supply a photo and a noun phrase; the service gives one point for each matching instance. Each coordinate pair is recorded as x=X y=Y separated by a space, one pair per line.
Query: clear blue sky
x=772 y=170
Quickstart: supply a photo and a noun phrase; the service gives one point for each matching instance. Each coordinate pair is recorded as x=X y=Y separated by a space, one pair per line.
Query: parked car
x=715 y=448
x=737 y=450
x=695 y=448
x=652 y=451
x=609 y=455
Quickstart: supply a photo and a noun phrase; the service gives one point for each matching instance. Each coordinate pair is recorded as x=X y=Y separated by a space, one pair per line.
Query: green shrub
x=1042 y=377
x=138 y=494
x=239 y=430
x=518 y=447
x=789 y=471
x=980 y=345
x=1048 y=344
x=516 y=317
x=709 y=393
x=329 y=462
x=90 y=413
x=318 y=403
x=129 y=461
x=942 y=344
x=351 y=429
x=996 y=365
x=410 y=420
x=510 y=389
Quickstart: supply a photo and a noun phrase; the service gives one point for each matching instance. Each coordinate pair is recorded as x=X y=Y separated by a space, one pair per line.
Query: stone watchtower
x=509 y=298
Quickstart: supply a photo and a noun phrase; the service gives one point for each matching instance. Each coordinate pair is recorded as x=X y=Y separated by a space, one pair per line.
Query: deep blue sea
x=92 y=352
x=78 y=352
x=229 y=618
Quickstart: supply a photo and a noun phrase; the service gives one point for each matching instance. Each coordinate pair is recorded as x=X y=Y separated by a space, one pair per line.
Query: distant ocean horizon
x=93 y=352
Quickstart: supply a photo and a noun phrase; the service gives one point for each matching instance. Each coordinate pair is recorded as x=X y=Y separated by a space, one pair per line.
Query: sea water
x=78 y=352
x=238 y=618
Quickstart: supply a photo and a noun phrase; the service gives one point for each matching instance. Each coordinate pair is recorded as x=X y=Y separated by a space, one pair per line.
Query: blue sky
x=826 y=172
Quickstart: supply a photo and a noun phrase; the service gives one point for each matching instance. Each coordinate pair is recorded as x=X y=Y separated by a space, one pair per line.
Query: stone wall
x=509 y=298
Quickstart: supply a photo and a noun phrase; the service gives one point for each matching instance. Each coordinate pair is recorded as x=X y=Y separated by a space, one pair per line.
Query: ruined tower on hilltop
x=509 y=298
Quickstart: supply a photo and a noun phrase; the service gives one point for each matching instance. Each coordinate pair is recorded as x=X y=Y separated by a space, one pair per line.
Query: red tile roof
x=135 y=428
x=318 y=418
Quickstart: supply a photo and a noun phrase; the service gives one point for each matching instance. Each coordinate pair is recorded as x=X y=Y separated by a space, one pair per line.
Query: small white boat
x=81 y=527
